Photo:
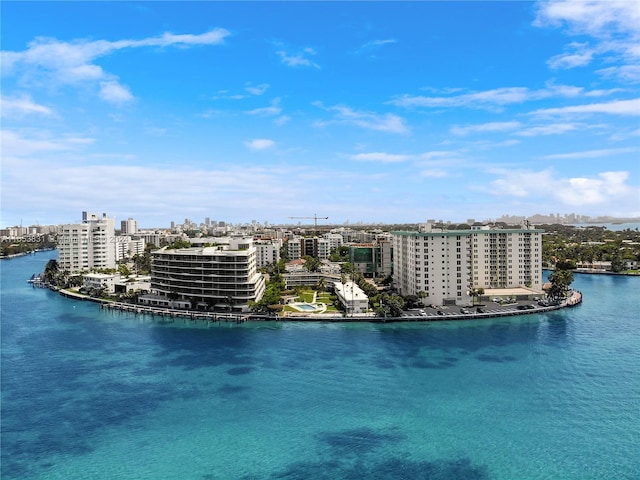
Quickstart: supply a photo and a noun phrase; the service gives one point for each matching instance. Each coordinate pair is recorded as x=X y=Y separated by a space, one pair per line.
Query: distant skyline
x=374 y=112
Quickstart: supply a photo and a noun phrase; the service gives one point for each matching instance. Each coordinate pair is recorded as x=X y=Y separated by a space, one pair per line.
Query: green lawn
x=307 y=296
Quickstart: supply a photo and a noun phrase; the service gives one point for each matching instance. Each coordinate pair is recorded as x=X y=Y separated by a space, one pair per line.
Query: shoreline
x=24 y=254
x=169 y=315
x=588 y=271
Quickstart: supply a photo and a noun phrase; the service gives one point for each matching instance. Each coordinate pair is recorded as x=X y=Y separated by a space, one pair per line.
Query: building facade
x=372 y=259
x=128 y=227
x=351 y=296
x=299 y=247
x=267 y=252
x=126 y=247
x=87 y=245
x=442 y=266
x=223 y=277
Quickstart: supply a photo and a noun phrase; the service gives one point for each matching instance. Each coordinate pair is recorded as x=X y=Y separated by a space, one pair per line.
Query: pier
x=171 y=314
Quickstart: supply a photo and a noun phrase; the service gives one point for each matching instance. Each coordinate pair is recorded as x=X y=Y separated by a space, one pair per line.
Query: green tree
x=180 y=243
x=617 y=263
x=340 y=254
x=390 y=305
x=312 y=264
x=422 y=295
x=560 y=282
x=51 y=271
x=123 y=270
x=348 y=268
x=271 y=297
x=322 y=284
x=474 y=293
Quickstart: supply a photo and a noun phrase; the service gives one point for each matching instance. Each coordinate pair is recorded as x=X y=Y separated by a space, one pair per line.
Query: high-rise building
x=372 y=259
x=129 y=227
x=87 y=245
x=267 y=252
x=442 y=266
x=299 y=247
x=219 y=277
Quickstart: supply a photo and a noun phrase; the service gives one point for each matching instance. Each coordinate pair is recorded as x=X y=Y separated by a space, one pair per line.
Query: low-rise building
x=351 y=296
x=100 y=281
x=267 y=252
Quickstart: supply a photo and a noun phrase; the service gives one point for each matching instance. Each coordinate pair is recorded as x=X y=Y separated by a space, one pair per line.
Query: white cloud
x=434 y=173
x=259 y=144
x=258 y=89
x=605 y=188
x=500 y=96
x=620 y=107
x=17 y=145
x=614 y=27
x=388 y=122
x=485 y=127
x=551 y=129
x=282 y=120
x=624 y=73
x=590 y=17
x=20 y=106
x=113 y=92
x=489 y=99
x=607 y=152
x=379 y=43
x=270 y=111
x=299 y=59
x=370 y=47
x=48 y=61
x=380 y=157
x=577 y=55
x=440 y=155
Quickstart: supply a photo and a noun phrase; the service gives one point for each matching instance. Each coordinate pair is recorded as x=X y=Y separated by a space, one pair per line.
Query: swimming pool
x=306 y=307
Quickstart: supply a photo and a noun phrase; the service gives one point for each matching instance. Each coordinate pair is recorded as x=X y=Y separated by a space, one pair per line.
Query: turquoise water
x=98 y=395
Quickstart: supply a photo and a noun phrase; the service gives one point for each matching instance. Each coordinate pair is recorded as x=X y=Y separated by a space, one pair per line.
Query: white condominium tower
x=442 y=266
x=128 y=227
x=87 y=245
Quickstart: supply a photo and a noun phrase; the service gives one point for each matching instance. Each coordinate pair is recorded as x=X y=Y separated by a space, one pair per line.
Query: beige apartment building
x=442 y=266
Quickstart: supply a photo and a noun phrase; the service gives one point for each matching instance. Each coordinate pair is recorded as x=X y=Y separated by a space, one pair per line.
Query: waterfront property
x=351 y=296
x=87 y=245
x=443 y=266
x=220 y=277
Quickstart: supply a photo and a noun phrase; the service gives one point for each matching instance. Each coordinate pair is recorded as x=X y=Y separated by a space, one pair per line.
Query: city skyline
x=368 y=112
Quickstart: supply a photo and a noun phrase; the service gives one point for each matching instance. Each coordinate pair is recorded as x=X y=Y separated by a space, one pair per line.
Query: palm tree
x=51 y=272
x=422 y=295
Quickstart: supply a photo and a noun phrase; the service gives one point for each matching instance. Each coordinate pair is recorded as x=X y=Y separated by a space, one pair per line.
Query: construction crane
x=315 y=219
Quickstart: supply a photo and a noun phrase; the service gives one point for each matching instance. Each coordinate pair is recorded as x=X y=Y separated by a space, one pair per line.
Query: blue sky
x=365 y=111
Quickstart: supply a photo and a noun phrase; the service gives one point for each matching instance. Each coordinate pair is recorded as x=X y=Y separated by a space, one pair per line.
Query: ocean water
x=88 y=394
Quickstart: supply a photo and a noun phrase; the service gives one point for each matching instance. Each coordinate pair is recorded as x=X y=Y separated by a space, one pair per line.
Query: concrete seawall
x=505 y=311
